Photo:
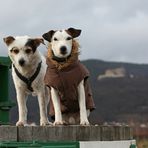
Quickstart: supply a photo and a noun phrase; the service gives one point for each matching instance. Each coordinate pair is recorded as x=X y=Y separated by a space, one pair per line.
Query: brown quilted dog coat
x=66 y=82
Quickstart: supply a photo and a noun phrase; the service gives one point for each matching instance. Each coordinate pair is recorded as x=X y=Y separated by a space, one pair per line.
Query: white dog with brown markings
x=67 y=79
x=28 y=70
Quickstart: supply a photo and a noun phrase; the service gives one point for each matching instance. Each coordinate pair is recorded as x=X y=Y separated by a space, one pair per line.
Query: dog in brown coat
x=71 y=97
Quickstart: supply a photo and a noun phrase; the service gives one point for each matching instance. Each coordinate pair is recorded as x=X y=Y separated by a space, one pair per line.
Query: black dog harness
x=28 y=81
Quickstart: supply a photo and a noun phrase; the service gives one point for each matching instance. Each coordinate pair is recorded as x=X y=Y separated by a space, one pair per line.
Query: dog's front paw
x=21 y=123
x=44 y=123
x=84 y=123
x=58 y=123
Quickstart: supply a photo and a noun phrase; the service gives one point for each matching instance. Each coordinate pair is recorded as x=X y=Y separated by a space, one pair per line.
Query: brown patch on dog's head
x=8 y=40
x=73 y=32
x=73 y=56
x=34 y=43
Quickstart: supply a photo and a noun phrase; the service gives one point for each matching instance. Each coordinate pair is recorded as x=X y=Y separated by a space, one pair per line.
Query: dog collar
x=28 y=81
x=60 y=59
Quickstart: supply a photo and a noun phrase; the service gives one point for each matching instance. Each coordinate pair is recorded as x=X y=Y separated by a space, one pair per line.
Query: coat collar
x=59 y=59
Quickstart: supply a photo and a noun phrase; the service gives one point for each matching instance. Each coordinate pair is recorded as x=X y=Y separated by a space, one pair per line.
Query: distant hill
x=122 y=95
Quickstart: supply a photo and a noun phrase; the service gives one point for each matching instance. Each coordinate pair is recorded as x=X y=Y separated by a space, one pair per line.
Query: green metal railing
x=37 y=144
x=5 y=103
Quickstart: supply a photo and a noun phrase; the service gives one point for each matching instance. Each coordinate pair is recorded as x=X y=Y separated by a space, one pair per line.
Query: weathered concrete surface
x=8 y=133
x=24 y=133
x=65 y=133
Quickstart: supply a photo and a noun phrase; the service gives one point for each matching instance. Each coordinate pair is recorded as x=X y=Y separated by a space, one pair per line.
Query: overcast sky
x=112 y=30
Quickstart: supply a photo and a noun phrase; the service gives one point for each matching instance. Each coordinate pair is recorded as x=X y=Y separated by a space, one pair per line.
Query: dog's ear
x=38 y=41
x=8 y=40
x=47 y=36
x=74 y=32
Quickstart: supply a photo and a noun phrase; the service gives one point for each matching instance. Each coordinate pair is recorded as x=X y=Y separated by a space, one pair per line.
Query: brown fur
x=70 y=60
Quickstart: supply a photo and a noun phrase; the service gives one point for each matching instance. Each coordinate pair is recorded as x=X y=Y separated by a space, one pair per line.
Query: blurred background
x=114 y=43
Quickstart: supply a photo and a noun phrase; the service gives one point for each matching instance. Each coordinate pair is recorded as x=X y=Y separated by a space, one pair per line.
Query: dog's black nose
x=63 y=50
x=21 y=62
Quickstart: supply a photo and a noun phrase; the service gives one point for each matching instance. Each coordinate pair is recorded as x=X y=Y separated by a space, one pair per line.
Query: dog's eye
x=55 y=39
x=69 y=38
x=16 y=51
x=28 y=51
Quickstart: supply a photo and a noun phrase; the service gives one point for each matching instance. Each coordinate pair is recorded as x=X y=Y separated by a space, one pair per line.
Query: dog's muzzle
x=63 y=50
x=21 y=62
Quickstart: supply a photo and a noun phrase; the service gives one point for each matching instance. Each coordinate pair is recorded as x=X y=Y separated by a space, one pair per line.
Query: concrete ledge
x=65 y=133
x=8 y=133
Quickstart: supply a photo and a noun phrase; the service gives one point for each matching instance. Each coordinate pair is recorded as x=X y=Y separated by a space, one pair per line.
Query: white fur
x=61 y=41
x=61 y=37
x=82 y=104
x=57 y=108
x=31 y=63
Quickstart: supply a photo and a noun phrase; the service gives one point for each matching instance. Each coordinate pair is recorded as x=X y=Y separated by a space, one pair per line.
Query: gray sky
x=112 y=30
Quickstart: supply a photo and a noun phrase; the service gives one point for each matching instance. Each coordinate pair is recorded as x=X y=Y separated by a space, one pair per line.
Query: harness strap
x=28 y=81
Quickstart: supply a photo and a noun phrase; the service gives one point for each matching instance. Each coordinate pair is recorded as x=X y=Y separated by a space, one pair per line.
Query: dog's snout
x=21 y=62
x=63 y=50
